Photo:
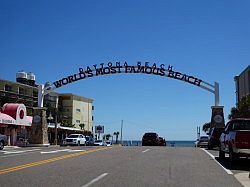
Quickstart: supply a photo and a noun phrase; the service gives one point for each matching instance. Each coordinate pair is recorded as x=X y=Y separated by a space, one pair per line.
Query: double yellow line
x=16 y=168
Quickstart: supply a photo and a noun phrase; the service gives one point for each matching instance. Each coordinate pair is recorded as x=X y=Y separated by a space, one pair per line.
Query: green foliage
x=243 y=110
x=116 y=134
x=206 y=127
x=82 y=125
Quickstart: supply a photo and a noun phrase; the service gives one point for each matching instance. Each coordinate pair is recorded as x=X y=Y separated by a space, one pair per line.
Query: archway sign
x=217 y=119
x=123 y=67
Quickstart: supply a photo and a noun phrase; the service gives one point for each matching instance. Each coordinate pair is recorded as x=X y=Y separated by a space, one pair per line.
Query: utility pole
x=121 y=131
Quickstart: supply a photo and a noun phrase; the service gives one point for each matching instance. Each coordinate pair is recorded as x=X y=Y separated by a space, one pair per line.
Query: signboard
x=99 y=129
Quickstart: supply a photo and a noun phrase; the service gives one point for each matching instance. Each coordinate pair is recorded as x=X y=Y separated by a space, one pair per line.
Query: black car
x=214 y=137
x=150 y=139
x=3 y=141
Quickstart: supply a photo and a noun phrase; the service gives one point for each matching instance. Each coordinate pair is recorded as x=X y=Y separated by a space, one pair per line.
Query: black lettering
x=99 y=71
x=80 y=70
x=154 y=65
x=171 y=74
x=133 y=69
x=197 y=82
x=141 y=69
x=162 y=66
x=177 y=75
x=127 y=68
x=118 y=64
x=162 y=72
x=156 y=71
x=90 y=73
x=88 y=69
x=82 y=75
x=71 y=79
x=102 y=65
x=58 y=83
x=106 y=72
x=65 y=81
x=170 y=68
x=190 y=79
x=110 y=64
x=125 y=64
x=113 y=69
x=138 y=64
x=75 y=76
x=148 y=68
x=95 y=66
x=146 y=64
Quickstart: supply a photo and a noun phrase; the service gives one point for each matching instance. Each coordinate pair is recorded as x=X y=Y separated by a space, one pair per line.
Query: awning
x=5 y=119
x=52 y=125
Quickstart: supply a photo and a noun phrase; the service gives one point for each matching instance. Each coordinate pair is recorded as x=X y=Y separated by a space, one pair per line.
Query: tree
x=243 y=110
x=116 y=134
x=82 y=125
x=206 y=127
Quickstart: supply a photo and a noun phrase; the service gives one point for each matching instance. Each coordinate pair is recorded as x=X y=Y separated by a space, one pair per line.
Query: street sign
x=99 y=129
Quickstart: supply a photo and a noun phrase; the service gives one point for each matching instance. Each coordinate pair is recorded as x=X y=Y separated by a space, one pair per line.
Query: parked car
x=3 y=141
x=202 y=141
x=162 y=141
x=99 y=143
x=75 y=139
x=150 y=138
x=214 y=137
x=89 y=140
x=108 y=143
x=235 y=140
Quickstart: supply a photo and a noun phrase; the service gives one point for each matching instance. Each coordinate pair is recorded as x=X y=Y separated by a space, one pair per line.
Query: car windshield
x=73 y=136
x=204 y=138
x=241 y=125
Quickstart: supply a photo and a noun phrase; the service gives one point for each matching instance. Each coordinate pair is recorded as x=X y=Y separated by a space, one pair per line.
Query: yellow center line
x=16 y=168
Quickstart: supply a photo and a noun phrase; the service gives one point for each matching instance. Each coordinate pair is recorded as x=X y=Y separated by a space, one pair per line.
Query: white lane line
x=17 y=152
x=145 y=150
x=229 y=172
x=95 y=180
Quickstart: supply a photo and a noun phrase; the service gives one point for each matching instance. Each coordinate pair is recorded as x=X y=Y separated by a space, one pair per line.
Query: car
x=3 y=141
x=99 y=143
x=162 y=141
x=150 y=139
x=202 y=141
x=214 y=137
x=89 y=140
x=108 y=143
x=235 y=140
x=75 y=139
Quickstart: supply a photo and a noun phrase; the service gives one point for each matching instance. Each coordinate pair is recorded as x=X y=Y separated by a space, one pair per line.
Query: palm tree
x=206 y=127
x=116 y=134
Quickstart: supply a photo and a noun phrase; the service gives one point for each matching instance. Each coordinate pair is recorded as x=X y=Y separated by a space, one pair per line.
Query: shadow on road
x=242 y=164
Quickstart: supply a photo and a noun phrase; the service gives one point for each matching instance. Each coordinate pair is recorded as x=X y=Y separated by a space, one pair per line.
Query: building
x=77 y=111
x=73 y=113
x=242 y=84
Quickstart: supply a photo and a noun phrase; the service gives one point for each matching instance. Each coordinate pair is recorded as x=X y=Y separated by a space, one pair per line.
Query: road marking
x=17 y=152
x=229 y=172
x=32 y=164
x=95 y=180
x=145 y=150
x=60 y=150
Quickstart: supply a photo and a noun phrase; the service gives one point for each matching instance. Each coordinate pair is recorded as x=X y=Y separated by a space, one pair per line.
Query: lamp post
x=56 y=112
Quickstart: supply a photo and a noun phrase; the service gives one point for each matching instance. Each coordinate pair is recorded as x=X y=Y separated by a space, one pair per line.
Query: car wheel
x=221 y=153
x=209 y=146
x=1 y=145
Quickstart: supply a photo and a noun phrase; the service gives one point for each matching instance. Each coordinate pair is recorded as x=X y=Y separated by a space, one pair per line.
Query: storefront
x=14 y=123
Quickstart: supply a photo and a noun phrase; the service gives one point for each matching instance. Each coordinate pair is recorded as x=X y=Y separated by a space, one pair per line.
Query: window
x=21 y=91
x=78 y=121
x=93 y=108
x=7 y=87
x=78 y=110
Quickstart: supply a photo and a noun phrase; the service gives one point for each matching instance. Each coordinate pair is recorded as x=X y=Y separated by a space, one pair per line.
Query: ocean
x=172 y=143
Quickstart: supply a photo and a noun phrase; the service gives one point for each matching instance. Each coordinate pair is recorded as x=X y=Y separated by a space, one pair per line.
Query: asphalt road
x=111 y=166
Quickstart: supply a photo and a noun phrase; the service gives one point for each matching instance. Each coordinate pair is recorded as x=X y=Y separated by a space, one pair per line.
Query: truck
x=235 y=139
x=3 y=141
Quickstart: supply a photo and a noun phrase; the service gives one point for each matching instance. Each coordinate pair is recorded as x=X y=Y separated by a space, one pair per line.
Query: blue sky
x=207 y=39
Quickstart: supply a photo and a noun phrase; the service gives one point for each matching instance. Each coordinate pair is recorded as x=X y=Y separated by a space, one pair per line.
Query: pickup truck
x=3 y=141
x=235 y=139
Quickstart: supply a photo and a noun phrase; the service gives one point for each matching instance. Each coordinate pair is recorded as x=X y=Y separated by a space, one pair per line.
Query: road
x=111 y=166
